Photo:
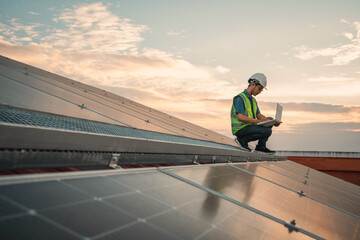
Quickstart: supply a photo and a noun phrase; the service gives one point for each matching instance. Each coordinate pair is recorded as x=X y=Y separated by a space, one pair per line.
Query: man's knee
x=267 y=131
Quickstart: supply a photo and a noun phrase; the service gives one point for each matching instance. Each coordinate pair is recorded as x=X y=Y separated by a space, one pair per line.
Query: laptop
x=277 y=119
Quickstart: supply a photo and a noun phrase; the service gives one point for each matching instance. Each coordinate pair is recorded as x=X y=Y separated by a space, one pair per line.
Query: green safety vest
x=236 y=125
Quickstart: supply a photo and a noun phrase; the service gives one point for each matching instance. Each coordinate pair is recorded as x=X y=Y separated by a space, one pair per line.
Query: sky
x=190 y=58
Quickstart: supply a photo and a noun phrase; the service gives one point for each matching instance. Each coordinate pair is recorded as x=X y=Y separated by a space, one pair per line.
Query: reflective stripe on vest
x=236 y=125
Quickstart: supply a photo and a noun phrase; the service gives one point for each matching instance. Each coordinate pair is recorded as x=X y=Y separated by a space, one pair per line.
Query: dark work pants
x=253 y=133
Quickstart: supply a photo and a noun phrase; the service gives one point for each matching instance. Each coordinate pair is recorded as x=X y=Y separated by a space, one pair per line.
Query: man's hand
x=277 y=124
x=262 y=118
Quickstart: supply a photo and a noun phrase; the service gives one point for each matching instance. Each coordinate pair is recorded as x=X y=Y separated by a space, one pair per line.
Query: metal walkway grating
x=15 y=116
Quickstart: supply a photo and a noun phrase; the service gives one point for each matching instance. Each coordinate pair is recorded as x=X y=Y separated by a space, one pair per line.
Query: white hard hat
x=259 y=77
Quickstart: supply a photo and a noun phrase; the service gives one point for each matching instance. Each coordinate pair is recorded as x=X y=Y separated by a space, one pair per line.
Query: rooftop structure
x=48 y=121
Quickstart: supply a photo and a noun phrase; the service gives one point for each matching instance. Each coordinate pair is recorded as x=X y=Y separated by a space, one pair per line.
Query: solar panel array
x=44 y=116
x=278 y=200
x=42 y=120
x=27 y=87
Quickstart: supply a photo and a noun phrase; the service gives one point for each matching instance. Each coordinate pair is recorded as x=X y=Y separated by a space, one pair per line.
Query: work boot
x=264 y=149
x=242 y=145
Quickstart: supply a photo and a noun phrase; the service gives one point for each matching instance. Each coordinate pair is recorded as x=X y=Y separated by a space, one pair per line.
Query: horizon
x=179 y=65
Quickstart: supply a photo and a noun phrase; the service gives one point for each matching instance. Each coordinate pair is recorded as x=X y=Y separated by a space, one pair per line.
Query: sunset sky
x=189 y=58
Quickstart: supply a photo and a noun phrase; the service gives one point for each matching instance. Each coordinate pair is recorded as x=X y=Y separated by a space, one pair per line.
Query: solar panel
x=320 y=176
x=340 y=189
x=42 y=120
x=219 y=201
x=277 y=200
x=31 y=88
x=305 y=190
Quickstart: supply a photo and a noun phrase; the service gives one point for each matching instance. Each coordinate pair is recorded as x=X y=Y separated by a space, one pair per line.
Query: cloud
x=341 y=54
x=353 y=130
x=6 y=30
x=92 y=28
x=222 y=70
x=140 y=95
x=15 y=32
x=335 y=79
x=173 y=33
x=325 y=127
x=218 y=103
x=344 y=21
x=318 y=136
x=348 y=35
x=33 y=13
x=306 y=53
x=320 y=107
x=98 y=47
x=295 y=113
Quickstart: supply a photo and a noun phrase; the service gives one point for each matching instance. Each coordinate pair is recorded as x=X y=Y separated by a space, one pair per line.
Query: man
x=245 y=115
